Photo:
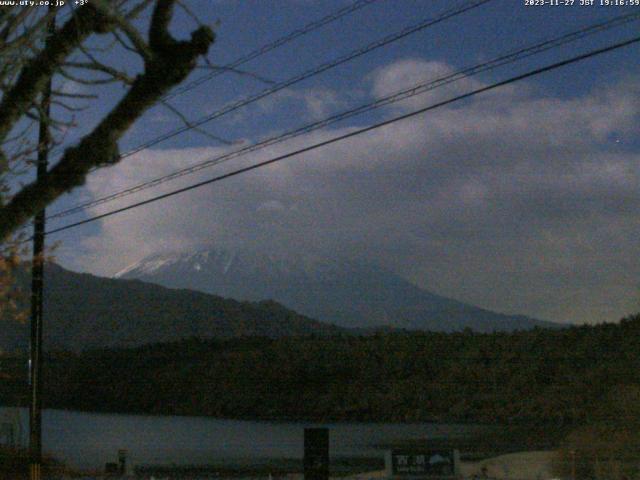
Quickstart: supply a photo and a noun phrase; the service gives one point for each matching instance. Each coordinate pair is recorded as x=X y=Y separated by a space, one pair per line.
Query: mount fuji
x=341 y=291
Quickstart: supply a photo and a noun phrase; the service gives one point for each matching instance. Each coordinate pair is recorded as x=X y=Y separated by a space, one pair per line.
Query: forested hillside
x=84 y=311
x=330 y=288
x=556 y=376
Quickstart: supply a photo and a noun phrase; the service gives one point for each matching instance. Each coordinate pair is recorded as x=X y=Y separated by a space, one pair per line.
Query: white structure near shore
x=534 y=465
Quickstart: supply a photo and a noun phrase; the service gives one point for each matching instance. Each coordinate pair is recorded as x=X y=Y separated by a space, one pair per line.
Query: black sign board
x=122 y=461
x=423 y=463
x=112 y=469
x=316 y=454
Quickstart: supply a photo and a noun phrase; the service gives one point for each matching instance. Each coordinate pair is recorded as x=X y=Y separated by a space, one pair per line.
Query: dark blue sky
x=520 y=200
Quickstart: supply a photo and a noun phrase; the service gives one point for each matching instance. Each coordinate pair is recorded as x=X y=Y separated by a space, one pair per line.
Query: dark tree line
x=559 y=377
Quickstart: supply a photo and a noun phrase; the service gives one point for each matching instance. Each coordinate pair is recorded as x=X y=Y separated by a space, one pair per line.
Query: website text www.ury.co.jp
x=35 y=3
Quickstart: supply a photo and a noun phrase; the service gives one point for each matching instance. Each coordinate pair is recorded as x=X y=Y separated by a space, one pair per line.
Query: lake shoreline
x=303 y=420
x=482 y=440
x=85 y=442
x=88 y=440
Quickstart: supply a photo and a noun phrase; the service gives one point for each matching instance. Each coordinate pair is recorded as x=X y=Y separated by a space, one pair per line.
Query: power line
x=279 y=42
x=450 y=13
x=310 y=27
x=417 y=89
x=470 y=5
x=339 y=138
x=466 y=6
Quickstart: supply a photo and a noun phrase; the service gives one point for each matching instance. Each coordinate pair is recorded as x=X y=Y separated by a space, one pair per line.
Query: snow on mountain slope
x=341 y=291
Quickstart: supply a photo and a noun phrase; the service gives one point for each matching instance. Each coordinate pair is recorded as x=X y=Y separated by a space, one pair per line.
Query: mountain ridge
x=83 y=311
x=335 y=290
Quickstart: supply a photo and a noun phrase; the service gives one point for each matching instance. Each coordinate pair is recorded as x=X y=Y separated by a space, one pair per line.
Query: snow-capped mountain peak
x=324 y=287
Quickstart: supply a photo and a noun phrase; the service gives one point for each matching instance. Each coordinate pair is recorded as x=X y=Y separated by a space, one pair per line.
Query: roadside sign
x=316 y=454
x=418 y=463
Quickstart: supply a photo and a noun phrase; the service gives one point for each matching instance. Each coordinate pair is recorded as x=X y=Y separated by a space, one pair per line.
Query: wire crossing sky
x=521 y=200
x=448 y=14
x=414 y=90
x=354 y=133
x=289 y=37
x=312 y=26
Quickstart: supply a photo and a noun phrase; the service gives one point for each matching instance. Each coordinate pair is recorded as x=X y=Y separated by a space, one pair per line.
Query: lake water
x=89 y=440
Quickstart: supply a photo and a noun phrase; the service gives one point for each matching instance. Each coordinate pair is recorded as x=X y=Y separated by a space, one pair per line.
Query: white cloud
x=318 y=102
x=521 y=203
x=405 y=74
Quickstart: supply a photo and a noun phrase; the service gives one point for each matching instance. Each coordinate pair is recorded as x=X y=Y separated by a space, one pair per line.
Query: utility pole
x=37 y=283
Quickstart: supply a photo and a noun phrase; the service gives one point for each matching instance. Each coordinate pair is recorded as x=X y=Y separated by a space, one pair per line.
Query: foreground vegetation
x=608 y=446
x=555 y=377
x=580 y=386
x=14 y=465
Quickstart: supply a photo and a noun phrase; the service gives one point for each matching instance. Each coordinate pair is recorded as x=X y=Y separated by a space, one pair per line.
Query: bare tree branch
x=86 y=96
x=127 y=28
x=159 y=37
x=169 y=63
x=34 y=76
x=195 y=128
x=137 y=10
x=237 y=71
x=86 y=81
x=102 y=68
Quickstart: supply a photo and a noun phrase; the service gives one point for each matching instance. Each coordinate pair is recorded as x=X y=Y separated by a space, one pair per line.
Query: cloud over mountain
x=516 y=200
